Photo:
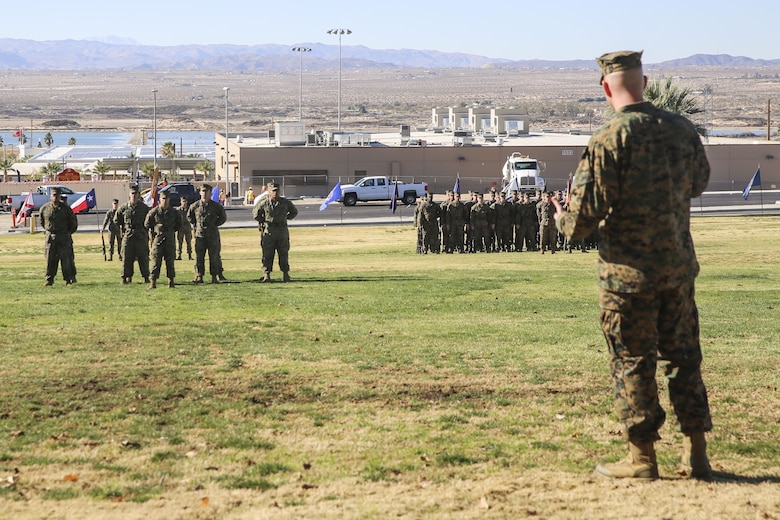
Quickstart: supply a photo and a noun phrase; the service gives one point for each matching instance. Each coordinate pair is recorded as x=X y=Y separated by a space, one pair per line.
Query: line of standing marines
x=133 y=226
x=494 y=225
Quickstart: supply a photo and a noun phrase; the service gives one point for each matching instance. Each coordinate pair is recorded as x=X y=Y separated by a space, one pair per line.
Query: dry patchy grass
x=379 y=383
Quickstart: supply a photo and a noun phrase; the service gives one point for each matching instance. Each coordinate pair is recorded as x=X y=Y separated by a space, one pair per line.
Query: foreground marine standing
x=59 y=222
x=635 y=182
x=162 y=222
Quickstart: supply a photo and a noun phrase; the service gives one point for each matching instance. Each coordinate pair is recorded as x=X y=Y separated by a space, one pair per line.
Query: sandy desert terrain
x=372 y=100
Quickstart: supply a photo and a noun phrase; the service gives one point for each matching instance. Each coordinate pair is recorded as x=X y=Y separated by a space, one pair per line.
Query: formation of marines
x=501 y=223
x=153 y=235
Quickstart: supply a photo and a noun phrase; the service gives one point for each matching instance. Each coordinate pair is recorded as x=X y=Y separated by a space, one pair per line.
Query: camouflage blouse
x=635 y=182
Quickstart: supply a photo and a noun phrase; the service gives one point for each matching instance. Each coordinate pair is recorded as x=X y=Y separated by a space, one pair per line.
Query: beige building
x=436 y=158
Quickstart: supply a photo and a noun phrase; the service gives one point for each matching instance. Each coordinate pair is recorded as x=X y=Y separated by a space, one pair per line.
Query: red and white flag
x=150 y=199
x=27 y=207
x=84 y=202
x=18 y=133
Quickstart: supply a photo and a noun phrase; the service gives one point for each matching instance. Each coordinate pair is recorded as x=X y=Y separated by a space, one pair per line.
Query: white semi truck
x=523 y=174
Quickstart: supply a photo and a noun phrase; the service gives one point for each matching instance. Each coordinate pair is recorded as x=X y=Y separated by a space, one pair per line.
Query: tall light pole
x=154 y=134
x=227 y=143
x=339 y=32
x=300 y=50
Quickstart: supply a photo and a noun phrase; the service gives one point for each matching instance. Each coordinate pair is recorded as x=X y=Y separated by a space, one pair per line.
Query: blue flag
x=755 y=181
x=456 y=189
x=215 y=194
x=394 y=200
x=333 y=196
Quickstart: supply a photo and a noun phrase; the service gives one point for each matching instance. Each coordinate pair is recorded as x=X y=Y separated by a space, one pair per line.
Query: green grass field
x=374 y=367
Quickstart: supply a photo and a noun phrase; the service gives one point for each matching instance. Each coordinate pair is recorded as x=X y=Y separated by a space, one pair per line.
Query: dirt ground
x=513 y=494
x=372 y=100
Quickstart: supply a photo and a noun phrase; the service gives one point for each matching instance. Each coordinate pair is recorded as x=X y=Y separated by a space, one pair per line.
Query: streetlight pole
x=339 y=32
x=300 y=50
x=227 y=143
x=154 y=91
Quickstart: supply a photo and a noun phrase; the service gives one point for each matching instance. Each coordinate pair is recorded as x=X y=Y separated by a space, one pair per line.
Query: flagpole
x=401 y=212
x=761 y=195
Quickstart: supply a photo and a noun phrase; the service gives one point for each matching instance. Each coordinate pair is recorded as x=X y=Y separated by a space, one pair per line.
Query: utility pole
x=768 y=120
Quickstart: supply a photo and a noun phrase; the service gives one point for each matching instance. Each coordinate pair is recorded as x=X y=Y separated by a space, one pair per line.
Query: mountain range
x=19 y=54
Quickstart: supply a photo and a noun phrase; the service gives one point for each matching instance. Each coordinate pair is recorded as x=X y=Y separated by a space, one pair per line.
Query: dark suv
x=177 y=190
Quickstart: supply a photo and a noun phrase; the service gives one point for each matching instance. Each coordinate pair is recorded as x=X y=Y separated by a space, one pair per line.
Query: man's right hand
x=558 y=209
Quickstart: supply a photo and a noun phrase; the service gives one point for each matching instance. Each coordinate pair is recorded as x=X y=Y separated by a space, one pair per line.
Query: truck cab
x=523 y=173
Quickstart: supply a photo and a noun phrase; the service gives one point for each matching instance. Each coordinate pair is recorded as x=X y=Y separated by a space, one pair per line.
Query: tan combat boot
x=153 y=284
x=640 y=463
x=694 y=462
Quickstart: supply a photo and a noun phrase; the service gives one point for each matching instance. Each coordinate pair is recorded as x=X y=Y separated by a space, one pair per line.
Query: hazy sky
x=513 y=29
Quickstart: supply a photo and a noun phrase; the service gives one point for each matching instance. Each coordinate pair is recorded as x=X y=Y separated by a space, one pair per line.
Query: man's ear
x=607 y=89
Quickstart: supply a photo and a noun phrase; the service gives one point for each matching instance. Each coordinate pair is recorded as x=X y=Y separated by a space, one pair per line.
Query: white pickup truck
x=381 y=188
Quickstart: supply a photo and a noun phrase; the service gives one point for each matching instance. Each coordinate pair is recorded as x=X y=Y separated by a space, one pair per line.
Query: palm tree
x=168 y=150
x=207 y=167
x=51 y=169
x=5 y=165
x=148 y=170
x=673 y=98
x=48 y=139
x=102 y=169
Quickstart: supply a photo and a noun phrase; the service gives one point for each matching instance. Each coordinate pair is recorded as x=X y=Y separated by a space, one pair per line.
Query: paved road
x=309 y=214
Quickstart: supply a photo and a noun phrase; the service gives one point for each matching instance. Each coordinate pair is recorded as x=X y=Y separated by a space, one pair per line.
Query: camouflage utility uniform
x=163 y=224
x=114 y=234
x=548 y=233
x=130 y=218
x=272 y=217
x=457 y=218
x=481 y=218
x=205 y=218
x=60 y=223
x=635 y=183
x=526 y=224
x=504 y=215
x=429 y=223
x=184 y=234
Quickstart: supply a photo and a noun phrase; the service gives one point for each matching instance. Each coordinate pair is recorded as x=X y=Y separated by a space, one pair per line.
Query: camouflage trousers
x=456 y=235
x=212 y=245
x=504 y=238
x=272 y=241
x=431 y=238
x=480 y=236
x=525 y=234
x=642 y=329
x=135 y=249
x=59 y=251
x=183 y=236
x=548 y=236
x=163 y=248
